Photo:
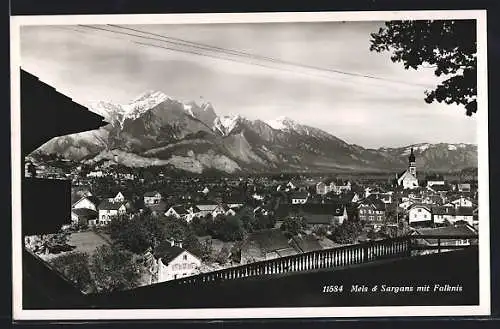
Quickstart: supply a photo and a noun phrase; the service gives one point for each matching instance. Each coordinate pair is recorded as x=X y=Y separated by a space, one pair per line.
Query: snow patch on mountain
x=143 y=103
x=189 y=109
x=416 y=148
x=283 y=123
x=226 y=124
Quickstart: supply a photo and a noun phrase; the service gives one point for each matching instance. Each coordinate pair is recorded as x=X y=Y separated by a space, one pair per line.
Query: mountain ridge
x=156 y=129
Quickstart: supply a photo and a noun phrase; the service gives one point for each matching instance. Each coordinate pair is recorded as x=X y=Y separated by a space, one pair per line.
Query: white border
x=483 y=173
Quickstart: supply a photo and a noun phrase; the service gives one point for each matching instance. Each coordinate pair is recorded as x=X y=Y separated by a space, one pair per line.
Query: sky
x=90 y=65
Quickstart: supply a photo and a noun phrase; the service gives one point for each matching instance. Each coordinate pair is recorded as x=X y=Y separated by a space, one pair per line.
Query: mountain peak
x=282 y=123
x=143 y=103
x=227 y=123
x=149 y=95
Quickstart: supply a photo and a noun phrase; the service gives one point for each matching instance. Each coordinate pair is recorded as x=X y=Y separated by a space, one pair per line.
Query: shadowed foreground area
x=306 y=289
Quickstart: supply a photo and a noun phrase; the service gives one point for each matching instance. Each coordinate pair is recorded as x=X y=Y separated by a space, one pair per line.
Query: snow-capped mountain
x=114 y=113
x=155 y=129
x=226 y=124
x=143 y=103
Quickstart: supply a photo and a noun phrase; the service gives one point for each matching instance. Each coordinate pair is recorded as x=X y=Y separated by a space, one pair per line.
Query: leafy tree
x=194 y=246
x=175 y=228
x=114 y=269
x=293 y=225
x=449 y=46
x=347 y=232
x=223 y=256
x=228 y=228
x=135 y=236
x=200 y=226
x=75 y=267
x=51 y=243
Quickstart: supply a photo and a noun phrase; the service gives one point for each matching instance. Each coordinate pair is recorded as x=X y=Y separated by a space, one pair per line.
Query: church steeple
x=411 y=163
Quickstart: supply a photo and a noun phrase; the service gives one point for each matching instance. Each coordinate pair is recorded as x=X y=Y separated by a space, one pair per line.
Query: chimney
x=180 y=244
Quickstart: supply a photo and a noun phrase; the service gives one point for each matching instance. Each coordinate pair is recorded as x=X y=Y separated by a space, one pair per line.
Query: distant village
x=219 y=222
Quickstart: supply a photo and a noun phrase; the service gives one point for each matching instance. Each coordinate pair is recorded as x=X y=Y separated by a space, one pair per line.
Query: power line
x=194 y=52
x=209 y=55
x=260 y=57
x=183 y=43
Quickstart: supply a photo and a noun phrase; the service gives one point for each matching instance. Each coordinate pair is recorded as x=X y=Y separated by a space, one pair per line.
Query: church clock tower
x=412 y=168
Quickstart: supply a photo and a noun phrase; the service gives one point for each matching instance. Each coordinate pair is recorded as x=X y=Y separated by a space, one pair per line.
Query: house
x=119 y=197
x=206 y=208
x=86 y=202
x=265 y=244
x=108 y=210
x=452 y=215
x=259 y=210
x=460 y=235
x=340 y=186
x=440 y=189
x=371 y=209
x=223 y=209
x=291 y=185
x=419 y=213
x=435 y=180
x=462 y=202
x=432 y=200
x=322 y=188
x=299 y=197
x=82 y=216
x=174 y=262
x=337 y=186
x=258 y=197
x=322 y=214
x=385 y=197
x=306 y=243
x=185 y=212
x=408 y=179
x=151 y=198
x=463 y=187
x=96 y=173
x=158 y=209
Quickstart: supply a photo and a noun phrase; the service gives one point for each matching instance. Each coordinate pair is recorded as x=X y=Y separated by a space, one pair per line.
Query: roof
x=374 y=201
x=440 y=188
x=420 y=205
x=91 y=198
x=323 y=209
x=108 y=205
x=167 y=252
x=184 y=209
x=307 y=243
x=85 y=213
x=151 y=194
x=460 y=211
x=160 y=206
x=299 y=195
x=268 y=240
x=460 y=230
x=180 y=209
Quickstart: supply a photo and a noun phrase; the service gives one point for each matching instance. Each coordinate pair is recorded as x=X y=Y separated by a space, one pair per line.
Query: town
x=154 y=225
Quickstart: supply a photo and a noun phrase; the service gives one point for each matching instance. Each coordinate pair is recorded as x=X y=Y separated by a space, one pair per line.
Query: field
x=86 y=241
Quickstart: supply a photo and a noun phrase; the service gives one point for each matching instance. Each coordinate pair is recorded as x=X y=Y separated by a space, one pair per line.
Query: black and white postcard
x=264 y=165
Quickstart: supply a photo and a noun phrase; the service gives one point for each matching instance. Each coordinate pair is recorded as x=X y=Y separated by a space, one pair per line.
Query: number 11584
x=332 y=288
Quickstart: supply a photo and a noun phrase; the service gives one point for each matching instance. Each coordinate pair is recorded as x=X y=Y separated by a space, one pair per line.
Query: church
x=408 y=179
